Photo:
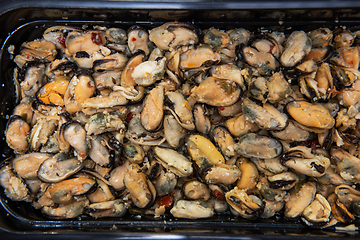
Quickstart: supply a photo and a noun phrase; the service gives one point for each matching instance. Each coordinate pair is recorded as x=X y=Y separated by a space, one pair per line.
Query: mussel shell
x=284 y=181
x=126 y=76
x=113 y=208
x=25 y=67
x=303 y=161
x=339 y=210
x=63 y=192
x=27 y=165
x=58 y=168
x=180 y=109
x=66 y=211
x=82 y=147
x=311 y=214
x=248 y=206
x=299 y=200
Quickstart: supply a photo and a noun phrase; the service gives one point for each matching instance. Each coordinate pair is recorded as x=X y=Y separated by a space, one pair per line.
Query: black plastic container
x=26 y=20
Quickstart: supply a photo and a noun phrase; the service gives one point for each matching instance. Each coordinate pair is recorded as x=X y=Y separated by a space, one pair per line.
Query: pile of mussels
x=188 y=122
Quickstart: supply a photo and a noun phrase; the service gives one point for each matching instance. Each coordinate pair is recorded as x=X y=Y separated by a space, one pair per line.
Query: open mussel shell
x=317 y=214
x=302 y=160
x=283 y=181
x=300 y=198
x=63 y=192
x=113 y=208
x=74 y=134
x=27 y=165
x=58 y=168
x=180 y=109
x=247 y=206
x=66 y=211
x=264 y=62
x=339 y=210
